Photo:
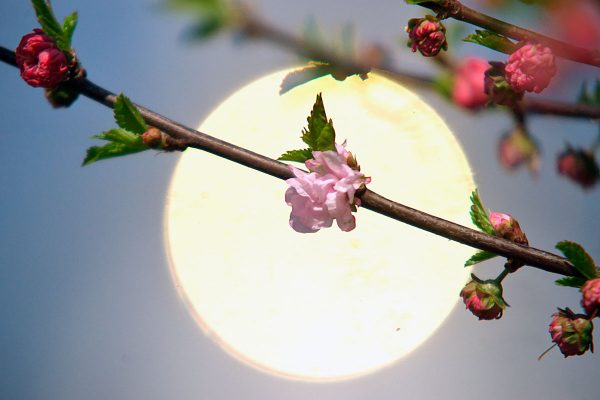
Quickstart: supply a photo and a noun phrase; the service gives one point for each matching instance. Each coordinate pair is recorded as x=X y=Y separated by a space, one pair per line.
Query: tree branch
x=369 y=200
x=455 y=9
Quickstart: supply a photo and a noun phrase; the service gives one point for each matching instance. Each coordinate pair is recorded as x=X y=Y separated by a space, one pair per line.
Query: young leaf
x=570 y=281
x=128 y=116
x=421 y=1
x=580 y=259
x=296 y=155
x=492 y=40
x=68 y=27
x=50 y=25
x=303 y=75
x=320 y=134
x=479 y=257
x=479 y=216
x=591 y=97
x=121 y=143
x=206 y=27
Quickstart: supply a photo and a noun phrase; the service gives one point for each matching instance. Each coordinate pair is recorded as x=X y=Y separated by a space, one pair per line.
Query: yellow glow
x=329 y=305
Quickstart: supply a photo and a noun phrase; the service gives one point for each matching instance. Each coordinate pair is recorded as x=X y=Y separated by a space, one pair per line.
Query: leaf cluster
x=127 y=139
x=480 y=219
x=581 y=261
x=319 y=135
x=62 y=34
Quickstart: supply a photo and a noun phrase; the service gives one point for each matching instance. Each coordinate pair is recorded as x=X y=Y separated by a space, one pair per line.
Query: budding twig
x=370 y=200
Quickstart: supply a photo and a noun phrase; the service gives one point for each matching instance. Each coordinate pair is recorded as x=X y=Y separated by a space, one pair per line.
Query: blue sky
x=87 y=305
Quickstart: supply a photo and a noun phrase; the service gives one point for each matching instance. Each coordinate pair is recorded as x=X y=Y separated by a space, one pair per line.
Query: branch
x=259 y=29
x=369 y=199
x=454 y=9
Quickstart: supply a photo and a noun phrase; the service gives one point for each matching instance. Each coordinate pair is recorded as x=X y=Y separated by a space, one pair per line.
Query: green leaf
x=492 y=40
x=128 y=116
x=571 y=281
x=320 y=134
x=580 y=259
x=61 y=96
x=479 y=216
x=50 y=25
x=206 y=27
x=421 y=1
x=68 y=27
x=303 y=75
x=122 y=143
x=296 y=155
x=479 y=257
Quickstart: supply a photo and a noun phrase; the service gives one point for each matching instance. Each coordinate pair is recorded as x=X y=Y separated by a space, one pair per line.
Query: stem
x=256 y=28
x=370 y=200
x=454 y=9
x=502 y=275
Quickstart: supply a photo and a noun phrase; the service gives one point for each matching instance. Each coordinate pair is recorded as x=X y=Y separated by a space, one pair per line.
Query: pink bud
x=483 y=298
x=498 y=220
x=468 y=90
x=41 y=63
x=580 y=166
x=590 y=300
x=572 y=333
x=518 y=148
x=428 y=35
x=530 y=68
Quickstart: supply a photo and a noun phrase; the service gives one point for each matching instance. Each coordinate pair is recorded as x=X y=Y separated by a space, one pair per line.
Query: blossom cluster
x=326 y=193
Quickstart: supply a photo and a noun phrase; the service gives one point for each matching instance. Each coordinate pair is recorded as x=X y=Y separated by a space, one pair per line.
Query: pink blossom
x=324 y=194
x=530 y=68
x=41 y=63
x=517 y=148
x=591 y=297
x=468 y=90
x=572 y=333
x=428 y=35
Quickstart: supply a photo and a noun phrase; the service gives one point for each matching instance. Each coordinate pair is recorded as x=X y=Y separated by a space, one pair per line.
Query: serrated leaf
x=128 y=116
x=492 y=40
x=580 y=259
x=300 y=155
x=571 y=281
x=68 y=27
x=121 y=143
x=479 y=257
x=50 y=25
x=304 y=75
x=479 y=216
x=319 y=135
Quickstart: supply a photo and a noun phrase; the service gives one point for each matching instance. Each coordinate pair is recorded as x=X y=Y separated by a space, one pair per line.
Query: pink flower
x=590 y=300
x=530 y=68
x=325 y=194
x=483 y=298
x=572 y=333
x=428 y=35
x=518 y=148
x=468 y=90
x=41 y=63
x=580 y=166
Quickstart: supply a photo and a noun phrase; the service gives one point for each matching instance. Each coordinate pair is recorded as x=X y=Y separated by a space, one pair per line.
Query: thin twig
x=369 y=199
x=455 y=9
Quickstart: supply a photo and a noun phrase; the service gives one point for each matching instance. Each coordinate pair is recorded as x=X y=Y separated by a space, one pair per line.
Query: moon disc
x=330 y=305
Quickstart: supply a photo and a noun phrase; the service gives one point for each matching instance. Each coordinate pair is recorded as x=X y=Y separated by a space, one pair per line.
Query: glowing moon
x=329 y=305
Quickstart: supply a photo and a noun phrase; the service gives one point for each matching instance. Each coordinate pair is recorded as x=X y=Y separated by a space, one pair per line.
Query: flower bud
x=572 y=333
x=155 y=139
x=468 y=90
x=590 y=300
x=508 y=228
x=41 y=63
x=483 y=298
x=530 y=68
x=428 y=35
x=580 y=166
x=496 y=86
x=517 y=148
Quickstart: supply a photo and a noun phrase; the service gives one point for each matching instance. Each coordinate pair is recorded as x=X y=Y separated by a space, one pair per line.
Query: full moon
x=330 y=305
